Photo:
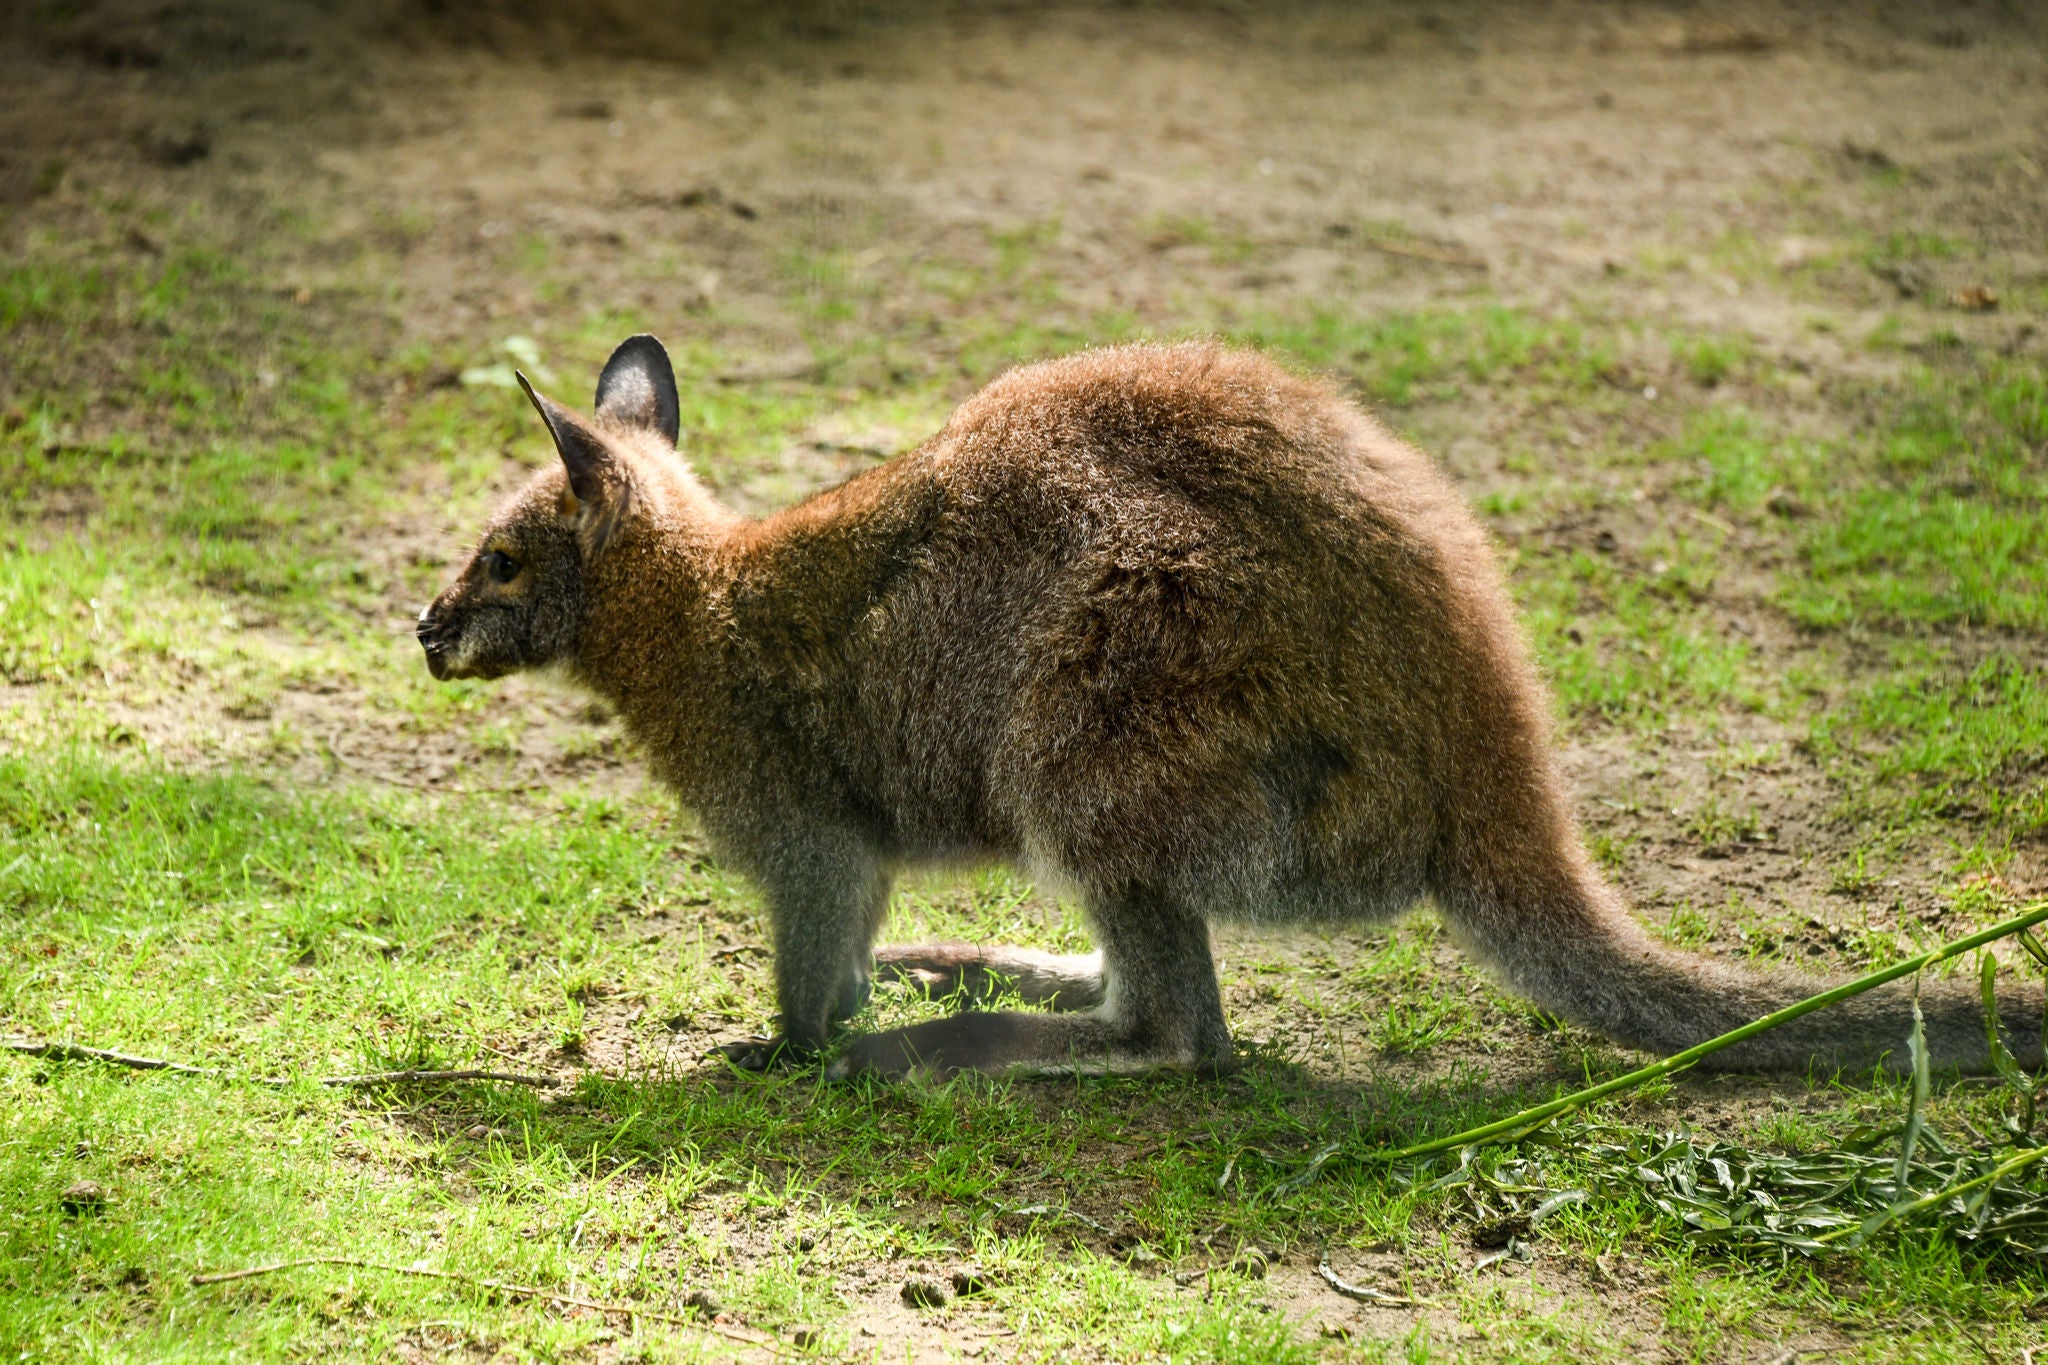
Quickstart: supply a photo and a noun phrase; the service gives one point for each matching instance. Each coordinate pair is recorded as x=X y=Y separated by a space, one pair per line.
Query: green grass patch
x=1408 y=357
x=222 y=922
x=1932 y=514
x=1931 y=740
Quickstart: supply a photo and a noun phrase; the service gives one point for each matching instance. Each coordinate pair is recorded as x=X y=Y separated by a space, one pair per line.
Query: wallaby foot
x=1063 y=981
x=1160 y=1007
x=766 y=1054
x=1028 y=1044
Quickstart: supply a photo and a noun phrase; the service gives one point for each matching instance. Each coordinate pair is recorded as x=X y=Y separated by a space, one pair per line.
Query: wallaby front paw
x=765 y=1054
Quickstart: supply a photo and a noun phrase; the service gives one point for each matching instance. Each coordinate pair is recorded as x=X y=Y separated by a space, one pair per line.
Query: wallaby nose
x=433 y=641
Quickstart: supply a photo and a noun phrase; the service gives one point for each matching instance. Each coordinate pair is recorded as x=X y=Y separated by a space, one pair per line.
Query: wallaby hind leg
x=1063 y=981
x=1160 y=1008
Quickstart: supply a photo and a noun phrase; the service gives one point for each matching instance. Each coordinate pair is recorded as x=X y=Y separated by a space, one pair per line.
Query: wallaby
x=1185 y=636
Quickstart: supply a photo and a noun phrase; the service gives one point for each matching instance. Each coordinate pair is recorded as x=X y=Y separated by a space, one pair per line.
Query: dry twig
x=1366 y=1293
x=417 y=1077
x=72 y=1052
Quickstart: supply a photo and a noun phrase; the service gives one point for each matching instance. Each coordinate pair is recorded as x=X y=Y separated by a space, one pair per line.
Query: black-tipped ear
x=638 y=388
x=590 y=465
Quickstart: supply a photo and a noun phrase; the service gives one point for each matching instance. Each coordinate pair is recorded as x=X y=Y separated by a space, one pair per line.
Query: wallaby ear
x=597 y=481
x=638 y=388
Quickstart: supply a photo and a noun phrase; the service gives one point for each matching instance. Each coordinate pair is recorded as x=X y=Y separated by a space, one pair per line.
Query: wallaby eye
x=502 y=568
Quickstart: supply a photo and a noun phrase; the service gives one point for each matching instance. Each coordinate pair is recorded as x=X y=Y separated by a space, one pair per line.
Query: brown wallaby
x=1184 y=635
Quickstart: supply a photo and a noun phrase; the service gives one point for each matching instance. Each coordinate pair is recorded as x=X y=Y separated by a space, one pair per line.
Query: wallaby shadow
x=1103 y=1160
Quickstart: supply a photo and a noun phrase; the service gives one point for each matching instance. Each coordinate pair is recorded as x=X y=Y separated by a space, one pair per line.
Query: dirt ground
x=1542 y=159
x=1676 y=164
x=1595 y=157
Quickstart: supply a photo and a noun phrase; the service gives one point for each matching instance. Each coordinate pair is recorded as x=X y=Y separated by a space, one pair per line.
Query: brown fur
x=1181 y=633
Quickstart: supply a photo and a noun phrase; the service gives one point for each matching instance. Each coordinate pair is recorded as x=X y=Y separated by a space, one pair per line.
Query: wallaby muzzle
x=435 y=637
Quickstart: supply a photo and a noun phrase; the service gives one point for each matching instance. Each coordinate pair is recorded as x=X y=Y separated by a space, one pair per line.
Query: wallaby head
x=522 y=599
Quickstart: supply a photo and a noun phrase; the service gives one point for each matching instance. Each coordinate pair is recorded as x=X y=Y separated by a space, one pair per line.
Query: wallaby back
x=1188 y=636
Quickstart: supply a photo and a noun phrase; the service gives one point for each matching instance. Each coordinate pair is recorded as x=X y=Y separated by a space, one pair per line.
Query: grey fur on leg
x=1161 y=981
x=826 y=899
x=1064 y=981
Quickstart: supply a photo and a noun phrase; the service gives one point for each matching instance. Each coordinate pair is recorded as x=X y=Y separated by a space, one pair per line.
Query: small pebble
x=82 y=1196
x=1782 y=503
x=1974 y=298
x=922 y=1291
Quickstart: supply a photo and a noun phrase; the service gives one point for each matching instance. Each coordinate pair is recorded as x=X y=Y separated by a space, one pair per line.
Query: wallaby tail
x=1558 y=934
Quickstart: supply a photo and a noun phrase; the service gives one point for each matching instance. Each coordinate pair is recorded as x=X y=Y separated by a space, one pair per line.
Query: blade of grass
x=1923 y=1085
x=2002 y=1060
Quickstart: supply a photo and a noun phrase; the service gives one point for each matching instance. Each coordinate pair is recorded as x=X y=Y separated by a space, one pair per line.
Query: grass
x=265 y=932
x=1941 y=741
x=202 y=482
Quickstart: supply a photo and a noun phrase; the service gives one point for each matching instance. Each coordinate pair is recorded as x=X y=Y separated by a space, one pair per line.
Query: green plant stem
x=1543 y=1113
x=1927 y=1201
